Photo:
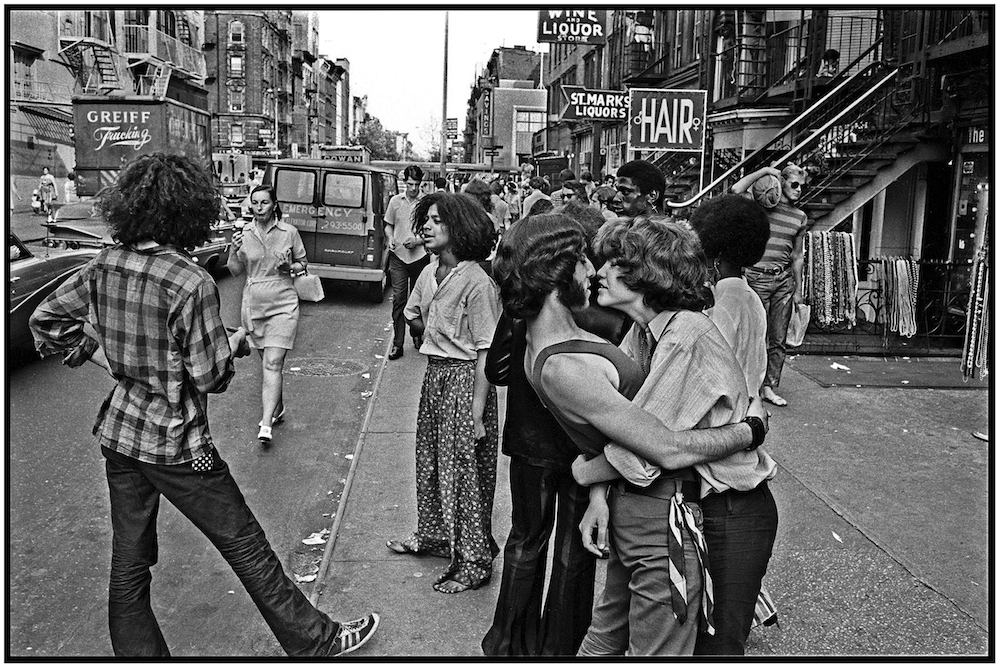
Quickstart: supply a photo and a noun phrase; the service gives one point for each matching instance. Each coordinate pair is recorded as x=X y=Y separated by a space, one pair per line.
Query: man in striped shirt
x=777 y=278
x=149 y=315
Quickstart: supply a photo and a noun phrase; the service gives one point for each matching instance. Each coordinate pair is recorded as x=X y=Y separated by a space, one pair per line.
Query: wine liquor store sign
x=575 y=26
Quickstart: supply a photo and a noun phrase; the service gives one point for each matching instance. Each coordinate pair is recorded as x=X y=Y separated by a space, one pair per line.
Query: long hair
x=537 y=255
x=169 y=199
x=470 y=229
x=660 y=259
x=733 y=228
x=276 y=212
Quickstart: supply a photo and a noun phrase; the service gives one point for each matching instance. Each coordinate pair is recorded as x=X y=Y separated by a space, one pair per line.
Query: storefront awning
x=49 y=123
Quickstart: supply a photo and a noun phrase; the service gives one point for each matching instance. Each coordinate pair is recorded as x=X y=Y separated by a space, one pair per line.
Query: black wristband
x=757 y=427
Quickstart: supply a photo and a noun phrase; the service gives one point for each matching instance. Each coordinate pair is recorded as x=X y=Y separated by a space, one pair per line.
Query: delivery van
x=339 y=209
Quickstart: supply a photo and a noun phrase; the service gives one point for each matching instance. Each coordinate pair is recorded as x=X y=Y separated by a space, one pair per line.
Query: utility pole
x=444 y=98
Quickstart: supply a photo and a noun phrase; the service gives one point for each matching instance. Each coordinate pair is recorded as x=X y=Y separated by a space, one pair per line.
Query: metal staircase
x=854 y=141
x=161 y=79
x=94 y=63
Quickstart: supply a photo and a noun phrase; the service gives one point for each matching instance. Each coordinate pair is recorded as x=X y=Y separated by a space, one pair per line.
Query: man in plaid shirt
x=149 y=315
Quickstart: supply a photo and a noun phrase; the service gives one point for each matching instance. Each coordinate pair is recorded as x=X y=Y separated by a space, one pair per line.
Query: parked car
x=34 y=274
x=79 y=225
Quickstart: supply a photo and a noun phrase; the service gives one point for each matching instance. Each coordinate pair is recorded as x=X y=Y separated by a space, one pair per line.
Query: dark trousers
x=403 y=277
x=541 y=499
x=739 y=529
x=214 y=503
x=775 y=293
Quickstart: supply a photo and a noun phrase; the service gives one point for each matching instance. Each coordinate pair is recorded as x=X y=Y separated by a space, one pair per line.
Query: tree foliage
x=381 y=142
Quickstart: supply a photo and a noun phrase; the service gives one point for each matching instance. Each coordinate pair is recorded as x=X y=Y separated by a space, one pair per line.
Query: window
x=236 y=134
x=24 y=77
x=295 y=185
x=343 y=190
x=236 y=66
x=526 y=123
x=237 y=97
x=166 y=22
x=236 y=32
x=265 y=37
x=592 y=69
x=699 y=27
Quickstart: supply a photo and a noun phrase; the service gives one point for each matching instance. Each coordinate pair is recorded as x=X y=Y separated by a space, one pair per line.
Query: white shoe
x=264 y=435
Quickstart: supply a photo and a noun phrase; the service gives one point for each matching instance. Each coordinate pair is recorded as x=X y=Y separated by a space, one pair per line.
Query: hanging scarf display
x=830 y=277
x=975 y=350
x=897 y=279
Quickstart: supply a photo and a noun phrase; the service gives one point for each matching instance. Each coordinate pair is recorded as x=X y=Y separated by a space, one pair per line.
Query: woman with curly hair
x=455 y=308
x=160 y=335
x=271 y=253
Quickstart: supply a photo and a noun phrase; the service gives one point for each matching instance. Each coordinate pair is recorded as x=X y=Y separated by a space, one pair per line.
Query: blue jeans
x=403 y=277
x=214 y=503
x=739 y=529
x=775 y=293
x=520 y=627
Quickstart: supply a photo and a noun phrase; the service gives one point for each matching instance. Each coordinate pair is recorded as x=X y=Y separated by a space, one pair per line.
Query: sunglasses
x=794 y=185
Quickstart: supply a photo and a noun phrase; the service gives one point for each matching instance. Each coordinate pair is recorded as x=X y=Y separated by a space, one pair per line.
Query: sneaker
x=354 y=634
x=264 y=435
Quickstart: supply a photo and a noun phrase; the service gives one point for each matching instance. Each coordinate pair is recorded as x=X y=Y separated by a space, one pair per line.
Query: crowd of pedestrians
x=634 y=352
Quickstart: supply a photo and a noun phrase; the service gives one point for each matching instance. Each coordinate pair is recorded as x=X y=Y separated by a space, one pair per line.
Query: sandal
x=462 y=579
x=411 y=545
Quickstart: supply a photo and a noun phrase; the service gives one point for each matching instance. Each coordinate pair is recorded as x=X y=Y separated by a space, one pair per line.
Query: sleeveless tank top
x=588 y=438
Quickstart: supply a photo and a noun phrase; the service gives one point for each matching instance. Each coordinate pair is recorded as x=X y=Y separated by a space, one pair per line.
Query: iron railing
x=24 y=90
x=753 y=65
x=143 y=40
x=815 y=130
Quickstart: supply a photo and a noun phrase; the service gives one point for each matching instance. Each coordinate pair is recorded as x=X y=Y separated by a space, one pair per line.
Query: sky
x=397 y=59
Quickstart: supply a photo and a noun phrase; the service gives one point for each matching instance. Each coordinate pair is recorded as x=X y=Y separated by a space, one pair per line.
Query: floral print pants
x=456 y=477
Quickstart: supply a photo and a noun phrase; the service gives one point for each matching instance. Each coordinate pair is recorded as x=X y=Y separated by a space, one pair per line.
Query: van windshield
x=345 y=190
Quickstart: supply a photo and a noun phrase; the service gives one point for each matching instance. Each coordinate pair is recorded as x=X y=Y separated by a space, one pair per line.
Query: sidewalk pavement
x=882 y=547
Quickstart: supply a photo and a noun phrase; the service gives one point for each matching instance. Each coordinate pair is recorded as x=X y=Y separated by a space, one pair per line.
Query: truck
x=111 y=131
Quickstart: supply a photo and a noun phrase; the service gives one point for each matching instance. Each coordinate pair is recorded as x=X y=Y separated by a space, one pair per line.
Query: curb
x=324 y=564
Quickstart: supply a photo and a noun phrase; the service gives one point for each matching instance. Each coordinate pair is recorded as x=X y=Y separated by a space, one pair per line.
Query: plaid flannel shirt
x=156 y=315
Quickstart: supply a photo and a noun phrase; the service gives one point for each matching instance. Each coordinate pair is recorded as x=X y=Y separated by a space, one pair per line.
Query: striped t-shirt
x=786 y=223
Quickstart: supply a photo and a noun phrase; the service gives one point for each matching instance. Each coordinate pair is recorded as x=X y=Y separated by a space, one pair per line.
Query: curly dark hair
x=539 y=254
x=646 y=177
x=660 y=259
x=470 y=229
x=732 y=227
x=481 y=191
x=169 y=199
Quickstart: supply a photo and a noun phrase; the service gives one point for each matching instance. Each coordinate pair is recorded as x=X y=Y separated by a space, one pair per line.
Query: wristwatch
x=757 y=427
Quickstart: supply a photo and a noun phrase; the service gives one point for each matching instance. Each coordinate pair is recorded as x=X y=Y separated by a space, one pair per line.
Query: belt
x=665 y=488
x=771 y=271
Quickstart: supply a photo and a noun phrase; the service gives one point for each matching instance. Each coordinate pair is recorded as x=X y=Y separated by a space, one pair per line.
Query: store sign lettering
x=594 y=104
x=574 y=26
x=666 y=120
x=120 y=128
